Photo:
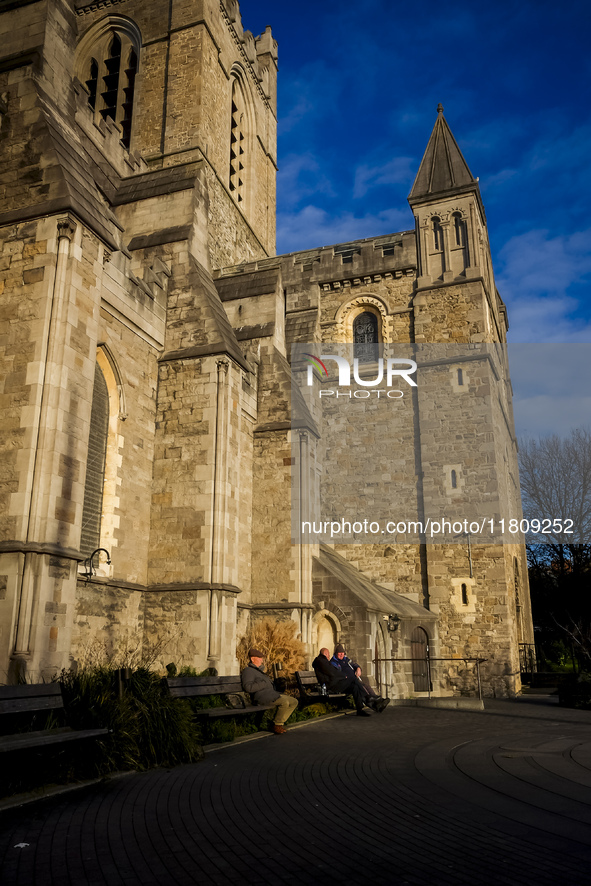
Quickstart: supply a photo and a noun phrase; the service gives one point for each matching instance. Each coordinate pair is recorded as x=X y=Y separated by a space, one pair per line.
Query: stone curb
x=450 y=704
x=54 y=791
x=208 y=748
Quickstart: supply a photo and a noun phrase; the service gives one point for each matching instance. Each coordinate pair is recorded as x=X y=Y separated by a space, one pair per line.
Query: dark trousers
x=355 y=688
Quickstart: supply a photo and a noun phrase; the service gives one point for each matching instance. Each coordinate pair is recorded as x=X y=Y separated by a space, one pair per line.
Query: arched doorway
x=419 y=652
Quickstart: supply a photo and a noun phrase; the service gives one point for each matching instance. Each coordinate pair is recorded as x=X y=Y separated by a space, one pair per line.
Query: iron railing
x=528 y=660
x=427 y=660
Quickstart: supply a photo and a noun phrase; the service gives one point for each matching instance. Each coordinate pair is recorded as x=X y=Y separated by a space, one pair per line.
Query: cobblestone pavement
x=414 y=796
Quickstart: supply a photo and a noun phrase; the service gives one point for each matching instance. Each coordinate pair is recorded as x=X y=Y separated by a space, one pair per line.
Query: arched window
x=238 y=144
x=460 y=377
x=365 y=337
x=454 y=480
x=437 y=234
x=459 y=229
x=95 y=465
x=108 y=66
x=464 y=594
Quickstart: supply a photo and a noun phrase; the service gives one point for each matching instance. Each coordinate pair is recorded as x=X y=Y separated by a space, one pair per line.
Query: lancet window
x=238 y=144
x=459 y=229
x=437 y=234
x=95 y=465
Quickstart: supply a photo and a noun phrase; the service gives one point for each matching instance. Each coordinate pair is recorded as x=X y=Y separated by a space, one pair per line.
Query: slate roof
x=370 y=594
x=443 y=167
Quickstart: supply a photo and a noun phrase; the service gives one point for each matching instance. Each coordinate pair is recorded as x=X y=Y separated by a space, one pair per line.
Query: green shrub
x=148 y=727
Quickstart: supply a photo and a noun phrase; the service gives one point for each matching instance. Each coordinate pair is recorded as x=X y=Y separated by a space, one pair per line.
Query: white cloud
x=314 y=227
x=299 y=177
x=536 y=279
x=551 y=387
x=396 y=171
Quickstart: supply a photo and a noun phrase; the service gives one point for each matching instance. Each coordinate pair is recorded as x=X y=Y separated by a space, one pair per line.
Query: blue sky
x=359 y=84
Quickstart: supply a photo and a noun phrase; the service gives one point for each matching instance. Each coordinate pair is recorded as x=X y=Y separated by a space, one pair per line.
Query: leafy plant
x=148 y=727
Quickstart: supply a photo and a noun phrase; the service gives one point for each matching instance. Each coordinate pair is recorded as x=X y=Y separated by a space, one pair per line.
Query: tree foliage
x=555 y=475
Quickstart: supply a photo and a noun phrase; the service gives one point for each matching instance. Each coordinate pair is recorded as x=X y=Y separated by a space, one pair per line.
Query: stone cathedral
x=146 y=329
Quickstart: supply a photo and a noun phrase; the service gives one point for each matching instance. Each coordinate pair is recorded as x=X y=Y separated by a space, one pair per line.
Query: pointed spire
x=443 y=167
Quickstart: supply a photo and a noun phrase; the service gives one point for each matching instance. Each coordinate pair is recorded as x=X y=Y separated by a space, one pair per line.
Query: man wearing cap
x=260 y=686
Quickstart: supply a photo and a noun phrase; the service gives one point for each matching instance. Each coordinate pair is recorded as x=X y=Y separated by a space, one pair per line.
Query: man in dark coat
x=333 y=679
x=260 y=686
x=349 y=668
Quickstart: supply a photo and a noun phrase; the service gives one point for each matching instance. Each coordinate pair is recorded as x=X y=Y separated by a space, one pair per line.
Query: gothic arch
x=107 y=63
x=111 y=473
x=105 y=352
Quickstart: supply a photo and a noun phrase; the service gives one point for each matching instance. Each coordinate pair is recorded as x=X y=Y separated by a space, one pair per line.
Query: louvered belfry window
x=95 y=466
x=237 y=144
x=110 y=77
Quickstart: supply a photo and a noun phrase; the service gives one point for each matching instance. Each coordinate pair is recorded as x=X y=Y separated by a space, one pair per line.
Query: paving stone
x=413 y=796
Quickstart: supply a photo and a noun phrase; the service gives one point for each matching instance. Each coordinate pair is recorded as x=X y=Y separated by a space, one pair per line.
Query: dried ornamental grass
x=278 y=640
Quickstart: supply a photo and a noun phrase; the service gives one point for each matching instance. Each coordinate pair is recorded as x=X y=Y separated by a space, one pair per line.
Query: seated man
x=336 y=681
x=260 y=686
x=349 y=668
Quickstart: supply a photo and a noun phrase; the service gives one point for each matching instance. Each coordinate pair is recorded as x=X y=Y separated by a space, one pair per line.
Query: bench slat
x=46 y=737
x=307 y=679
x=30 y=697
x=17 y=705
x=197 y=691
x=231 y=712
x=24 y=690
x=202 y=681
x=195 y=687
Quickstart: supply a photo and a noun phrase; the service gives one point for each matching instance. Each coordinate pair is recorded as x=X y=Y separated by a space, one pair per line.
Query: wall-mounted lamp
x=393 y=622
x=90 y=570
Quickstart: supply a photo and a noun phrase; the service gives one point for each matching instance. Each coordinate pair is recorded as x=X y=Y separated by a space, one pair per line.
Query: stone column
x=47 y=565
x=218 y=533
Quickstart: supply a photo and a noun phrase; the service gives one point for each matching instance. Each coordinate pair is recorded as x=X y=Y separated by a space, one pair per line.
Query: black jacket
x=259 y=685
x=327 y=674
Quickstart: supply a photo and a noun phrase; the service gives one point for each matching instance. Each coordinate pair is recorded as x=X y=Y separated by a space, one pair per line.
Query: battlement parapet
x=266 y=46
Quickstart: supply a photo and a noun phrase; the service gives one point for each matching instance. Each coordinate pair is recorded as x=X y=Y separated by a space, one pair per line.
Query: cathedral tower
x=453 y=252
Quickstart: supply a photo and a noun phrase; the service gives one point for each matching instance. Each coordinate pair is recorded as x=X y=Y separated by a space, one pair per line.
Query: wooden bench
x=196 y=687
x=33 y=698
x=307 y=680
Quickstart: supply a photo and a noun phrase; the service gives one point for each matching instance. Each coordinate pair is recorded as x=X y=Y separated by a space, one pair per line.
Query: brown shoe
x=277 y=729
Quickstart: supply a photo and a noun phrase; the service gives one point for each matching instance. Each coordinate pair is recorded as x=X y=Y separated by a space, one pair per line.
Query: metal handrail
x=428 y=659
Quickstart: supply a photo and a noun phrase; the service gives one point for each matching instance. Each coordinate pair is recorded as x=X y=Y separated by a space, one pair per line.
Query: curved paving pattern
x=414 y=796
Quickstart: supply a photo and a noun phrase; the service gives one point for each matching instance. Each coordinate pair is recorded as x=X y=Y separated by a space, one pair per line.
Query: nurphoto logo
x=394 y=369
